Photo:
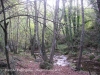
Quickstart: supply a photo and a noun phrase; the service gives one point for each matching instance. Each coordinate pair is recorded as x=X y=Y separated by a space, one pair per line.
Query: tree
x=66 y=24
x=78 y=16
x=5 y=36
x=98 y=3
x=55 y=23
x=81 y=39
x=98 y=22
x=69 y=21
x=44 y=56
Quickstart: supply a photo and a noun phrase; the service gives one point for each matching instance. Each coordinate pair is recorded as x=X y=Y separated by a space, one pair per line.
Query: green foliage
x=71 y=29
x=63 y=49
x=61 y=46
x=45 y=65
x=85 y=52
x=65 y=52
x=98 y=59
x=91 y=57
x=61 y=39
x=20 y=50
x=47 y=45
x=72 y=54
x=48 y=36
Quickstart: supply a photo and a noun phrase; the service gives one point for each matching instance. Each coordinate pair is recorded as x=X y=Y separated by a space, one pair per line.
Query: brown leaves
x=32 y=68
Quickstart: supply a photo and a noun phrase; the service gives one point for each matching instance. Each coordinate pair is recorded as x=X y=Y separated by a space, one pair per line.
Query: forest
x=49 y=37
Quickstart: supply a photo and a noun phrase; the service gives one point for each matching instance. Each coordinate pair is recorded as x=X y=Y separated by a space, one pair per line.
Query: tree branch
x=31 y=16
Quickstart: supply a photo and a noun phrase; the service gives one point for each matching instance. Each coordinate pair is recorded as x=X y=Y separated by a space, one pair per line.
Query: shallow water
x=60 y=60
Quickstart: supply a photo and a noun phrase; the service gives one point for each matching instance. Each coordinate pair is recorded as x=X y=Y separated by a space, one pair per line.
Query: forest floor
x=28 y=66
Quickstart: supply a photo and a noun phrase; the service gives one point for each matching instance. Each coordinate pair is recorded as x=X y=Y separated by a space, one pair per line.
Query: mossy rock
x=46 y=65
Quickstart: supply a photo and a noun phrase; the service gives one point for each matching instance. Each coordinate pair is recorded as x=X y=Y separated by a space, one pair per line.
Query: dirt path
x=29 y=67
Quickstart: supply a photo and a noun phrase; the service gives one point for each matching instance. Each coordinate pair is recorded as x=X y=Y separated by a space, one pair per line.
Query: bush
x=91 y=57
x=98 y=59
x=45 y=65
x=63 y=49
x=72 y=54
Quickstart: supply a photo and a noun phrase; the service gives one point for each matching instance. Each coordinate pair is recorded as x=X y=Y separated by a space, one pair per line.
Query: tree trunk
x=5 y=37
x=66 y=25
x=78 y=17
x=70 y=24
x=98 y=23
x=36 y=30
x=32 y=42
x=44 y=56
x=17 y=36
x=82 y=39
x=98 y=3
x=54 y=31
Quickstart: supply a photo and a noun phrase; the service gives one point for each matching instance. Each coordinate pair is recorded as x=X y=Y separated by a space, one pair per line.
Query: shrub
x=45 y=65
x=98 y=59
x=91 y=57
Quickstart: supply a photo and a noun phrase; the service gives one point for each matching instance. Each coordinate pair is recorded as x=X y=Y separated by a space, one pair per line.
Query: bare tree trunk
x=65 y=21
x=44 y=56
x=27 y=2
x=98 y=22
x=33 y=39
x=78 y=17
x=36 y=30
x=16 y=43
x=54 y=31
x=17 y=34
x=30 y=29
x=5 y=37
x=82 y=38
x=70 y=24
x=9 y=36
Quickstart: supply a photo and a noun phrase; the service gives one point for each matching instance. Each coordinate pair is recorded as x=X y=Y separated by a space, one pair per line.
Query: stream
x=61 y=60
